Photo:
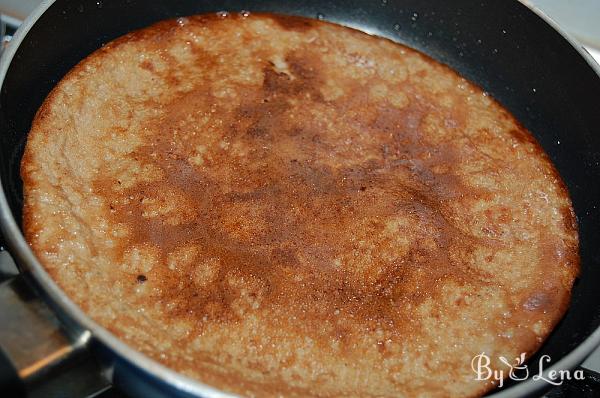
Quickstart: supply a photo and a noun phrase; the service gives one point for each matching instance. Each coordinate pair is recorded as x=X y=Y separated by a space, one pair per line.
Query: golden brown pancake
x=278 y=206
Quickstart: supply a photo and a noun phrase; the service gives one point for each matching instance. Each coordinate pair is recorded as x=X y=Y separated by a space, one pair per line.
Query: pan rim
x=81 y=323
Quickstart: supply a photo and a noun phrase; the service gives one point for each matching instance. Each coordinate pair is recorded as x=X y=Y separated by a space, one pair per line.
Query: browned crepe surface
x=275 y=205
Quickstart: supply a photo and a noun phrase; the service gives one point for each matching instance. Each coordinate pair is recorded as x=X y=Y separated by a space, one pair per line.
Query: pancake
x=279 y=206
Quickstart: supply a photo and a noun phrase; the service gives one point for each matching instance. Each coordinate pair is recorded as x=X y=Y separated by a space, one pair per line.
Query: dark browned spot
x=569 y=218
x=147 y=65
x=292 y=22
x=523 y=136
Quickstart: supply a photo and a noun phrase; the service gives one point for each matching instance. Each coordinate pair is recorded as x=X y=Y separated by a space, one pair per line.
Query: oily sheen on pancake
x=278 y=206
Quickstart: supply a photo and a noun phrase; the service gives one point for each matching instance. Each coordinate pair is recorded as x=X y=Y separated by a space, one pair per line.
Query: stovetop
x=578 y=17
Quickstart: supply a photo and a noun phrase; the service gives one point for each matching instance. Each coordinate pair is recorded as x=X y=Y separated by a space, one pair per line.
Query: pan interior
x=501 y=46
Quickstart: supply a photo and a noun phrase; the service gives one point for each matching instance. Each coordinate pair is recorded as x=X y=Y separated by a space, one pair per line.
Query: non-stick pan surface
x=500 y=45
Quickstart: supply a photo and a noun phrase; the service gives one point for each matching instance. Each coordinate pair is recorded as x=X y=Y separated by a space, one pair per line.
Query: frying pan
x=521 y=59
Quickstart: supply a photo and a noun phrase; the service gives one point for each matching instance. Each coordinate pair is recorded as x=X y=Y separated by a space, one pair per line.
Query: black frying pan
x=528 y=66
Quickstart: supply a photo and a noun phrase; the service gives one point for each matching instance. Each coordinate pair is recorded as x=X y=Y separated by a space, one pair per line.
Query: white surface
x=18 y=8
x=580 y=17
